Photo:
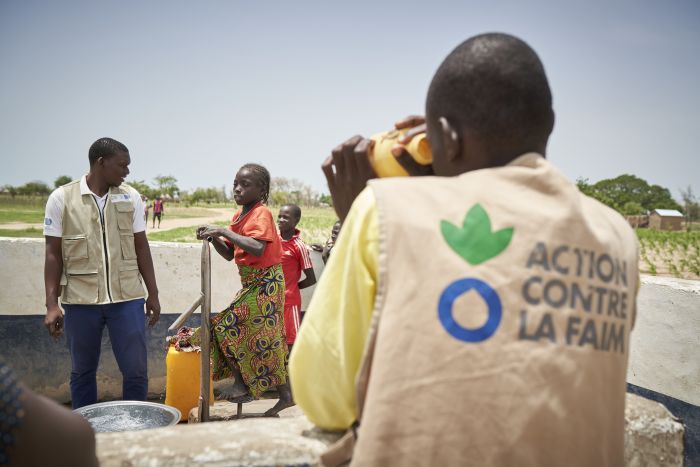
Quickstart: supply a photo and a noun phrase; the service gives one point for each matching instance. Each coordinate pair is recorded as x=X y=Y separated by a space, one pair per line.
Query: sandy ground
x=220 y=214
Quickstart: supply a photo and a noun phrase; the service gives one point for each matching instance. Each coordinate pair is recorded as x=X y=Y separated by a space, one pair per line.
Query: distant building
x=638 y=221
x=666 y=219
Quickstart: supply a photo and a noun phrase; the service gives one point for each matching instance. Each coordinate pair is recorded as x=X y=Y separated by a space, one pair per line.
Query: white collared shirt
x=53 y=220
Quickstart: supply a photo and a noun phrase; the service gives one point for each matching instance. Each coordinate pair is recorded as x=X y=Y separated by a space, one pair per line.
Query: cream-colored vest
x=502 y=320
x=99 y=256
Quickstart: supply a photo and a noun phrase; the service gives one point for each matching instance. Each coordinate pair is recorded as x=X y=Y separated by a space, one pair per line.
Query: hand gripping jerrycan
x=183 y=381
x=383 y=161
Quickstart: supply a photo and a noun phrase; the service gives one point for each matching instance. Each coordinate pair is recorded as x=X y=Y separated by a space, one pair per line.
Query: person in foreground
x=35 y=430
x=247 y=338
x=480 y=316
x=97 y=258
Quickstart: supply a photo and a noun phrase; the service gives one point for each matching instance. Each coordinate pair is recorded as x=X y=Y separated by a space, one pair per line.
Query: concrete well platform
x=652 y=437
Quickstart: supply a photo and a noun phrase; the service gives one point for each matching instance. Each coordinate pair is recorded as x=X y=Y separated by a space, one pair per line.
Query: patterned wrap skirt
x=249 y=334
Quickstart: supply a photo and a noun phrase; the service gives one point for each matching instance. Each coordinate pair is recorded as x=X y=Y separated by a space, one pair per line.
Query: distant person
x=35 y=430
x=295 y=260
x=247 y=338
x=146 y=208
x=97 y=257
x=326 y=252
x=158 y=211
x=480 y=316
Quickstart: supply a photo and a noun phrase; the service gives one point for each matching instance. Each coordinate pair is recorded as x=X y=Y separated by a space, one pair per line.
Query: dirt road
x=217 y=215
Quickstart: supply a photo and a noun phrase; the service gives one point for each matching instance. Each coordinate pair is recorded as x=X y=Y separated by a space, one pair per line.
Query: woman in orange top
x=248 y=341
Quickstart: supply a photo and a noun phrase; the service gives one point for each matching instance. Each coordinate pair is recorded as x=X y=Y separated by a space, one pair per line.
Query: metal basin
x=128 y=415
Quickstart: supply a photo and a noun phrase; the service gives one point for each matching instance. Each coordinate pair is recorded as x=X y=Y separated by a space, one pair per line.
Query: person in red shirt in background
x=295 y=259
x=158 y=211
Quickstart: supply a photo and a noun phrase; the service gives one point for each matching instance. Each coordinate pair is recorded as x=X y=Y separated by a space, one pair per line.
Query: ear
x=450 y=139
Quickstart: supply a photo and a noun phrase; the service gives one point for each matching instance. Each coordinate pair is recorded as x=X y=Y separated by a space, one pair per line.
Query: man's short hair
x=494 y=85
x=105 y=147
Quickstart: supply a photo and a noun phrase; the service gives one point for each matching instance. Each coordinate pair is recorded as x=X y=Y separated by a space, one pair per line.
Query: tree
x=285 y=190
x=619 y=192
x=691 y=206
x=632 y=208
x=325 y=199
x=143 y=188
x=167 y=184
x=279 y=184
x=589 y=190
x=10 y=189
x=207 y=195
x=62 y=180
x=278 y=198
x=584 y=186
x=34 y=188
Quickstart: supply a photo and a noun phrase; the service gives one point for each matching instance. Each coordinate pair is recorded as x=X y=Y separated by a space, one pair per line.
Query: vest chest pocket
x=81 y=287
x=130 y=281
x=125 y=215
x=75 y=247
x=127 y=246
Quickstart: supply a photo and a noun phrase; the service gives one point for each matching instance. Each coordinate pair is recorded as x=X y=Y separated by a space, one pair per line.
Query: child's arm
x=248 y=244
x=309 y=278
x=305 y=265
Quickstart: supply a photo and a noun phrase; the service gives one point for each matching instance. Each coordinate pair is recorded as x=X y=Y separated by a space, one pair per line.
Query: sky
x=197 y=89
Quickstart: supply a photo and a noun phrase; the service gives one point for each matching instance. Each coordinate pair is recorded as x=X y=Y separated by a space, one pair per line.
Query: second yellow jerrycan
x=182 y=381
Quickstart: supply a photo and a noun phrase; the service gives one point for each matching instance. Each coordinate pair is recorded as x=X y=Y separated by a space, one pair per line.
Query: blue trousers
x=126 y=324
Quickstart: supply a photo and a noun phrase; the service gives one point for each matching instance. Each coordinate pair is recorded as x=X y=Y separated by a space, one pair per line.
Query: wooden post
x=205 y=367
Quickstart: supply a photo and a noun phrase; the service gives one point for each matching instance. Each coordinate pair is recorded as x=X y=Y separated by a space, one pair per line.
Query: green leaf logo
x=474 y=241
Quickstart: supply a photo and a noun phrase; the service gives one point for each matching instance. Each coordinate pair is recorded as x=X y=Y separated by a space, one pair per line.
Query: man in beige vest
x=97 y=260
x=480 y=316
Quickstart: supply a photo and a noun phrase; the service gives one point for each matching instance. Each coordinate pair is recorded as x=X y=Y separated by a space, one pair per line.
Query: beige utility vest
x=99 y=256
x=501 y=331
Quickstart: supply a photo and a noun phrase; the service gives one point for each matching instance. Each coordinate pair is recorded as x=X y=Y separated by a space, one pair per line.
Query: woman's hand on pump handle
x=208 y=231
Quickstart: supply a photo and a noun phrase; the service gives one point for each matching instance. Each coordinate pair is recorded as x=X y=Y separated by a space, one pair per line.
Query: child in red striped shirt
x=295 y=259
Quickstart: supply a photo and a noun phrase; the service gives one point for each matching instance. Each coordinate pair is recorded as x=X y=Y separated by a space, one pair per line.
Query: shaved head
x=294 y=210
x=494 y=86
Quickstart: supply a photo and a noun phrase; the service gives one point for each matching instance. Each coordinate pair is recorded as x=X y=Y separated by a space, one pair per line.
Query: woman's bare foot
x=284 y=402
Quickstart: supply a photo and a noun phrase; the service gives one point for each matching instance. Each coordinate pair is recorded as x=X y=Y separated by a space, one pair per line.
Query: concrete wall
x=177 y=267
x=44 y=365
x=665 y=358
x=665 y=342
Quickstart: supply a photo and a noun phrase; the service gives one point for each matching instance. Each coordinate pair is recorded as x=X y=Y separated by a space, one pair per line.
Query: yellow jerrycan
x=383 y=161
x=182 y=381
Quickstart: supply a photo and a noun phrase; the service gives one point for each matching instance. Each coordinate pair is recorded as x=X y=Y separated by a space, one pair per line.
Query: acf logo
x=475 y=243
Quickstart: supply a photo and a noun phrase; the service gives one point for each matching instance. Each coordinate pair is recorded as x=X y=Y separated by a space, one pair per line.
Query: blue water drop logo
x=459 y=288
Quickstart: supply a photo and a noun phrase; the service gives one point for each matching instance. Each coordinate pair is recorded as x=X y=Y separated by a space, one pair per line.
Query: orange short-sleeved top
x=258 y=224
